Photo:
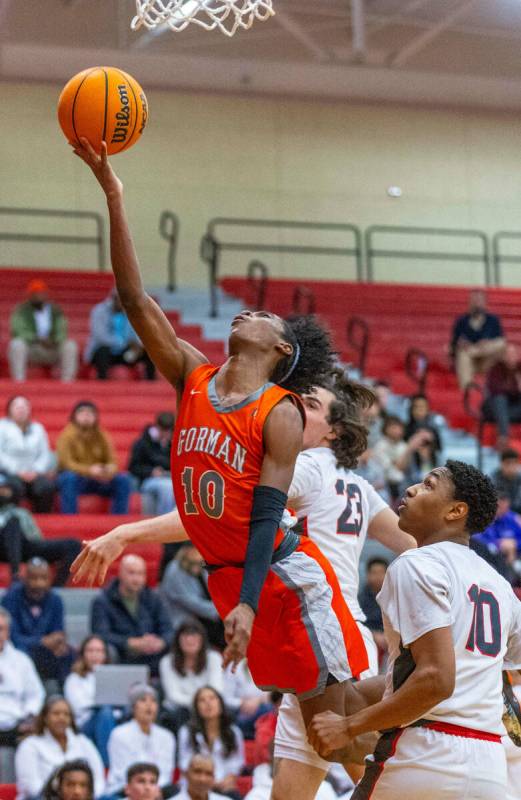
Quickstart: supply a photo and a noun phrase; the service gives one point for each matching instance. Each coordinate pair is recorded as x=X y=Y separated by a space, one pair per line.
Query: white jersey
x=337 y=506
x=442 y=585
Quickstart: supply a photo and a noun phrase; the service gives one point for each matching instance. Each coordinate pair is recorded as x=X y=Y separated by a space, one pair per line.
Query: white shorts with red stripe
x=291 y=739
x=427 y=764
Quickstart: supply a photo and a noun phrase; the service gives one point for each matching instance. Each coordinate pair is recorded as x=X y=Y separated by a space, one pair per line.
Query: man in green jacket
x=39 y=335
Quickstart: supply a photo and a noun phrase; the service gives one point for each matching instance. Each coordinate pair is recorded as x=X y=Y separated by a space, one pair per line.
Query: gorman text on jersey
x=214 y=442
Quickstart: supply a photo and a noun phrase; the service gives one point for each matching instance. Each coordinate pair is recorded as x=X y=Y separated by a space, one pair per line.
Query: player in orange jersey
x=238 y=433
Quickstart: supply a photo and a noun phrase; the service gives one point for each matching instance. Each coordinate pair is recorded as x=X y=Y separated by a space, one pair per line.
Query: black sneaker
x=512 y=713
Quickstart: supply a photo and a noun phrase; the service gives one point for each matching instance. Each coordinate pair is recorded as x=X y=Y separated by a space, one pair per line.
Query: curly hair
x=350 y=399
x=197 y=724
x=312 y=357
x=477 y=491
x=52 y=789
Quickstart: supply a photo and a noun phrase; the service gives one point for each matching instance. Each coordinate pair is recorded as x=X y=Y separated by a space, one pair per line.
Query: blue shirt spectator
x=112 y=339
x=477 y=340
x=37 y=622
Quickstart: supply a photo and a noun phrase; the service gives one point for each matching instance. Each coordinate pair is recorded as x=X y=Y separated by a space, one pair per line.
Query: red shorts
x=303 y=631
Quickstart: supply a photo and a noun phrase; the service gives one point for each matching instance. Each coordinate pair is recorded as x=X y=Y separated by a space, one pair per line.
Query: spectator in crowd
x=374 y=420
x=38 y=624
x=389 y=404
x=112 y=340
x=183 y=590
x=21 y=690
x=395 y=454
x=188 y=666
x=200 y=778
x=72 y=781
x=211 y=732
x=25 y=455
x=142 y=782
x=39 y=335
x=22 y=539
x=131 y=617
x=477 y=339
x=504 y=534
x=507 y=478
x=244 y=700
x=139 y=740
x=370 y=468
x=88 y=463
x=376 y=569
x=427 y=456
x=96 y=722
x=150 y=464
x=54 y=742
x=503 y=386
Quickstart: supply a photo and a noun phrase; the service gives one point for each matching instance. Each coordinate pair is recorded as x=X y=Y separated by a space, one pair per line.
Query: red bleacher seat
x=244 y=784
x=249 y=753
x=7 y=791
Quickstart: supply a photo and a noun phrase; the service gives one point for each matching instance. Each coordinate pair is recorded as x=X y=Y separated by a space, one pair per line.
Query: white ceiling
x=458 y=52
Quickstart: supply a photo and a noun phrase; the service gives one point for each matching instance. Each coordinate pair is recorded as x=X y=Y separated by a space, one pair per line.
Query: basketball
x=103 y=104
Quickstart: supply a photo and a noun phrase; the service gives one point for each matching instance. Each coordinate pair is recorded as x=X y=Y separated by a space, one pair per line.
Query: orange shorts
x=303 y=631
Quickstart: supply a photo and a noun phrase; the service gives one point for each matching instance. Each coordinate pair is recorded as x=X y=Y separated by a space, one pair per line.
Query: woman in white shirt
x=80 y=689
x=55 y=742
x=25 y=455
x=210 y=732
x=140 y=740
x=188 y=666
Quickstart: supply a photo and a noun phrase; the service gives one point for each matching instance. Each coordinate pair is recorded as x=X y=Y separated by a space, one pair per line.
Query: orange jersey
x=217 y=455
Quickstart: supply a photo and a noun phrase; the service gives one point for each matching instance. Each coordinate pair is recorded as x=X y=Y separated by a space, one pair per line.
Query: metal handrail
x=417 y=368
x=372 y=252
x=47 y=238
x=498 y=259
x=358 y=337
x=258 y=285
x=303 y=293
x=477 y=415
x=212 y=246
x=169 y=230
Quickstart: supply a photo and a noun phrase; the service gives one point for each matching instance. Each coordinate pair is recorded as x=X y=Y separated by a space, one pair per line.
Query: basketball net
x=224 y=15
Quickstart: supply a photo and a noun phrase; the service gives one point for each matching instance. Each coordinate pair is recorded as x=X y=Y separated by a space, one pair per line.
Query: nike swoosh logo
x=194 y=392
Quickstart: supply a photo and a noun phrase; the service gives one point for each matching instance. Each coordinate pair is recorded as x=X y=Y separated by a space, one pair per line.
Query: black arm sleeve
x=266 y=514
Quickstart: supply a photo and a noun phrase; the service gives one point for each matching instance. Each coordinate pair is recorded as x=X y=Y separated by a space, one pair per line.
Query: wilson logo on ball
x=103 y=104
x=122 y=116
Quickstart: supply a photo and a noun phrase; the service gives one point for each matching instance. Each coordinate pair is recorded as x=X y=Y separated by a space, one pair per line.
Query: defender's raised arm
x=173 y=357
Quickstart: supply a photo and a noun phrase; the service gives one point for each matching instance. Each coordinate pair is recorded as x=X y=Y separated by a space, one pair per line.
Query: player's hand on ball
x=96 y=557
x=328 y=732
x=237 y=633
x=100 y=165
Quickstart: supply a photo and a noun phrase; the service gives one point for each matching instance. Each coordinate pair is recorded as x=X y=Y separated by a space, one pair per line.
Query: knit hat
x=140 y=690
x=36 y=286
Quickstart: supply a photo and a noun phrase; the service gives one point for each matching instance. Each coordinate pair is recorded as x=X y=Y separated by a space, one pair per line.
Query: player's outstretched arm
x=431 y=681
x=173 y=357
x=97 y=555
x=282 y=443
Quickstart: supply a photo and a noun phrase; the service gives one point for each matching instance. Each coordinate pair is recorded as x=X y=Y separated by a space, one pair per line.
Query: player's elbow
x=133 y=299
x=437 y=683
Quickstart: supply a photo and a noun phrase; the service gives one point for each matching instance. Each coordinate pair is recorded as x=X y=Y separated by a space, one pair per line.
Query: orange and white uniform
x=303 y=631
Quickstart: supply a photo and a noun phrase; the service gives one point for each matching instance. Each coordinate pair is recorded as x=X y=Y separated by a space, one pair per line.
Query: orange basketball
x=103 y=104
